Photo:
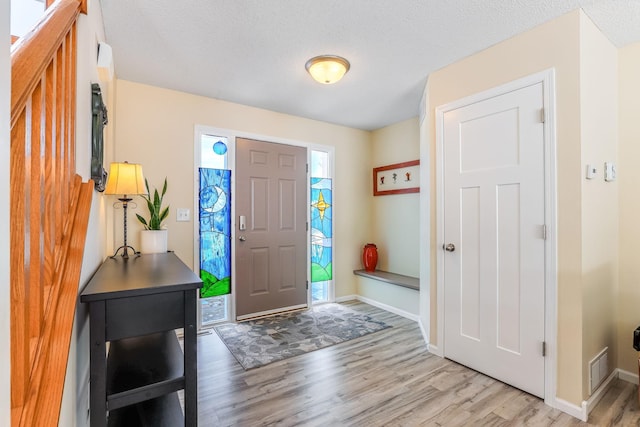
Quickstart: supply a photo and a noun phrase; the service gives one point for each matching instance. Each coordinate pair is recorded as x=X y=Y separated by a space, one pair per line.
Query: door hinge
x=544 y=348
x=307 y=225
x=544 y=232
x=542 y=117
x=307 y=285
x=307 y=167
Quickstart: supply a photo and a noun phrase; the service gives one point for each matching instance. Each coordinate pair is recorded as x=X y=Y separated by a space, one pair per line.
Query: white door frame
x=547 y=78
x=231 y=135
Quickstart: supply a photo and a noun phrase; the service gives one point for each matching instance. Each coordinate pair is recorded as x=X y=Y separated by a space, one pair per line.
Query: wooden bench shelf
x=392 y=278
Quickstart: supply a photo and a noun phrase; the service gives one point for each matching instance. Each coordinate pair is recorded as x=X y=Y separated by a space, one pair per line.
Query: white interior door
x=494 y=210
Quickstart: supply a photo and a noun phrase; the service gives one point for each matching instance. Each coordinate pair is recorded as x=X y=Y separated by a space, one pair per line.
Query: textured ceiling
x=253 y=52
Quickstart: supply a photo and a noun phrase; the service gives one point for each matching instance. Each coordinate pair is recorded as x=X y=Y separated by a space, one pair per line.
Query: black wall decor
x=99 y=110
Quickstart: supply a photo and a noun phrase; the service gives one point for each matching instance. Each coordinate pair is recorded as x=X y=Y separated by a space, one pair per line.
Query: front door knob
x=242 y=238
x=450 y=247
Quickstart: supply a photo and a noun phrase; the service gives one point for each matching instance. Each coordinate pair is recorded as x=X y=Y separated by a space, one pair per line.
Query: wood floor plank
x=387 y=378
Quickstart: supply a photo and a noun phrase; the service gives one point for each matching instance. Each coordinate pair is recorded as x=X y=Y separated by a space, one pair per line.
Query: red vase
x=370 y=257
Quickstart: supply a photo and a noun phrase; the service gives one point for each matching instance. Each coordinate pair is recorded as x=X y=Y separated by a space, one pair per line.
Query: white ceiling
x=253 y=52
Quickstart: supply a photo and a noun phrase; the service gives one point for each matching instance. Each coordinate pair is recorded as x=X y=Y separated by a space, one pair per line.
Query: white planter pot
x=153 y=241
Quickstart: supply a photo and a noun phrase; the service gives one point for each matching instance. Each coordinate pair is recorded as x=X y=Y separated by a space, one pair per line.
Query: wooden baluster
x=57 y=172
x=72 y=108
x=48 y=222
x=35 y=208
x=19 y=332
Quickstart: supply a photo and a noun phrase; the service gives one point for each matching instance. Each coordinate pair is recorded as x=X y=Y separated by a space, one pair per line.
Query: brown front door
x=271 y=215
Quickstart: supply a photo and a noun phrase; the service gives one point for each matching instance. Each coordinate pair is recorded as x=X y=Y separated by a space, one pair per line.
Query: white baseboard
x=434 y=349
x=579 y=412
x=425 y=335
x=83 y=399
x=415 y=317
x=628 y=376
x=394 y=310
x=582 y=412
x=389 y=308
x=600 y=391
x=346 y=298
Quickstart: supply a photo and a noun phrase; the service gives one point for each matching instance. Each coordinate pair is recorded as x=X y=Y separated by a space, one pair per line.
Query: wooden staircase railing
x=49 y=214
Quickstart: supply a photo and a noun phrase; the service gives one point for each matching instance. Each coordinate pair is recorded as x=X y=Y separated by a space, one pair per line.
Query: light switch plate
x=609 y=171
x=183 y=214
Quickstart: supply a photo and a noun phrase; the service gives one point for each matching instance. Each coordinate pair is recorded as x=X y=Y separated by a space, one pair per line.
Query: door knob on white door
x=450 y=247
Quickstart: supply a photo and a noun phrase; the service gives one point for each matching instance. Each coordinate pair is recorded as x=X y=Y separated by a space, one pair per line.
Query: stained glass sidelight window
x=321 y=234
x=215 y=232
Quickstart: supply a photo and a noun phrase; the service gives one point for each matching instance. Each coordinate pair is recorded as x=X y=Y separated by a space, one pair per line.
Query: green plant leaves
x=157 y=214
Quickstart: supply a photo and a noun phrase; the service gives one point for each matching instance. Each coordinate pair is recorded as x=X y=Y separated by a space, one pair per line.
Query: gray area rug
x=260 y=342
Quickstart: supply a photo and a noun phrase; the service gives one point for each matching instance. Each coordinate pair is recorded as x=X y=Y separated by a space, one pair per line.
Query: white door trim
x=547 y=78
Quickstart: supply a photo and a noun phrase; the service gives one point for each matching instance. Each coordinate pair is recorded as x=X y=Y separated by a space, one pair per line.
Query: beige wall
x=5 y=96
x=628 y=180
x=599 y=135
x=395 y=219
x=552 y=45
x=155 y=127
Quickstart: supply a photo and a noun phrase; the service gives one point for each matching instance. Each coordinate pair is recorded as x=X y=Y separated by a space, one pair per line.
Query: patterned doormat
x=260 y=342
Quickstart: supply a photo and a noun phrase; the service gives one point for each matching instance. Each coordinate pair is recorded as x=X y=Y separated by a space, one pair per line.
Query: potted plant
x=153 y=239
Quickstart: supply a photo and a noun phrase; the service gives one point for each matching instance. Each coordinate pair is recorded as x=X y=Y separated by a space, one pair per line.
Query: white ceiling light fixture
x=327 y=69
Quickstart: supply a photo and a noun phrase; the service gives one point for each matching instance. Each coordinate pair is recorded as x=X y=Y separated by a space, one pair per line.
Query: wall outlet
x=183 y=214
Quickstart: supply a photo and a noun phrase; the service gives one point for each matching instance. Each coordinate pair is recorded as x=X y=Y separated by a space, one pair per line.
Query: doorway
x=318 y=206
x=496 y=263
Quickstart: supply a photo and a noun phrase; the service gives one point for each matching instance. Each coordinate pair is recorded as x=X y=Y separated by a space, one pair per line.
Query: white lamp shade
x=125 y=178
x=327 y=69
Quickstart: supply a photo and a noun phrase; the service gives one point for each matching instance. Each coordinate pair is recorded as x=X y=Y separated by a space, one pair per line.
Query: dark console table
x=136 y=305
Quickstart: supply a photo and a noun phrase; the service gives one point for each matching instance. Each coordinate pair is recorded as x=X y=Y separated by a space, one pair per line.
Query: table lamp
x=125 y=179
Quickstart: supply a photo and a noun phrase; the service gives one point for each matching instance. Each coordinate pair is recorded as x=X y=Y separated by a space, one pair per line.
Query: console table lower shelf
x=141 y=372
x=163 y=411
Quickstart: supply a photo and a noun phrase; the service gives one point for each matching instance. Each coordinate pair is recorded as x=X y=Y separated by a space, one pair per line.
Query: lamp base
x=125 y=253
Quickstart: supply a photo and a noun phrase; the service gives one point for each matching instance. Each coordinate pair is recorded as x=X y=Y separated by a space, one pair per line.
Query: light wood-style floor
x=383 y=379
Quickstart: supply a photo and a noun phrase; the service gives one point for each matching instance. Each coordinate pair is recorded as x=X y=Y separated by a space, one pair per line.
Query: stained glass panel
x=215 y=232
x=321 y=230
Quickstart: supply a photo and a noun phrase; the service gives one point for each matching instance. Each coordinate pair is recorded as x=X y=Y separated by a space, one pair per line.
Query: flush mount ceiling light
x=327 y=69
